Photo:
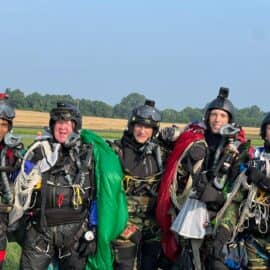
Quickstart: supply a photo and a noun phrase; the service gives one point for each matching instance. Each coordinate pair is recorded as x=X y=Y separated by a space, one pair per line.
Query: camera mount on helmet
x=222 y=103
x=145 y=114
x=223 y=92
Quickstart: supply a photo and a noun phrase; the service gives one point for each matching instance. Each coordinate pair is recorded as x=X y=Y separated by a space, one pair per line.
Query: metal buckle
x=61 y=256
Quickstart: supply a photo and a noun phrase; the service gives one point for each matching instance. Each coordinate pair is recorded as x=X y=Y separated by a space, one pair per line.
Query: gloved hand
x=200 y=183
x=254 y=175
x=87 y=244
x=170 y=134
x=197 y=151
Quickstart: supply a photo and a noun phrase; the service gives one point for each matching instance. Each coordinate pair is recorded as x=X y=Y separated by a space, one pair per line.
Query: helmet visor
x=148 y=112
x=61 y=115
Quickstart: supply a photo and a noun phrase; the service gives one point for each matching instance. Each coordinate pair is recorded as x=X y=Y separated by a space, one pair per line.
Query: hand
x=170 y=134
x=254 y=175
x=200 y=184
x=232 y=149
x=197 y=151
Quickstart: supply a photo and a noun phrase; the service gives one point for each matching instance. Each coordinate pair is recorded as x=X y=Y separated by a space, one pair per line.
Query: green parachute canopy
x=111 y=200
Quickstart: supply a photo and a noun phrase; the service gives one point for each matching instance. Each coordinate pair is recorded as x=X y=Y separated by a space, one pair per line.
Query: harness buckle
x=43 y=250
x=61 y=256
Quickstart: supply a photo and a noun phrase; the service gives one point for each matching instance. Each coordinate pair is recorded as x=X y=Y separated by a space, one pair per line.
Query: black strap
x=43 y=221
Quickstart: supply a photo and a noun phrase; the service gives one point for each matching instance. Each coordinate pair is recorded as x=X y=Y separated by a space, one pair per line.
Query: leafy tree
x=35 y=102
x=251 y=116
x=169 y=115
x=189 y=115
x=123 y=109
x=17 y=98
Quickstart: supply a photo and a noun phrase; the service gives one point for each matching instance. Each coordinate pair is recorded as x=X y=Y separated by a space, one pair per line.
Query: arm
x=254 y=175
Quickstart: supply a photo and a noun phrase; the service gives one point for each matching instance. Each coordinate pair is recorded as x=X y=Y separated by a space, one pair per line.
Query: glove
x=258 y=178
x=200 y=184
x=170 y=134
x=87 y=244
x=197 y=151
x=254 y=175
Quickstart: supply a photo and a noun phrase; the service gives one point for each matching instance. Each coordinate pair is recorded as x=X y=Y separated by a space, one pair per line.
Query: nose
x=218 y=118
x=143 y=129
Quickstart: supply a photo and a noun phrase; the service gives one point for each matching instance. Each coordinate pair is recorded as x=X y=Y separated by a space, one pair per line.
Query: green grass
x=13 y=257
x=26 y=131
x=257 y=142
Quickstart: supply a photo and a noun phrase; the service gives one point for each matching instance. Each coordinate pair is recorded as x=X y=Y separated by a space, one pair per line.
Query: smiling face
x=62 y=129
x=142 y=133
x=217 y=119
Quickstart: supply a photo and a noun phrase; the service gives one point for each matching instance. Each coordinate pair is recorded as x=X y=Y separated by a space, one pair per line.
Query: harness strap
x=43 y=221
x=76 y=198
x=267 y=165
x=129 y=179
x=7 y=194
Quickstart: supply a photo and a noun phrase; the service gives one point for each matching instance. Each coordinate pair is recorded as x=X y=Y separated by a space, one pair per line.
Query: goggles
x=62 y=115
x=148 y=112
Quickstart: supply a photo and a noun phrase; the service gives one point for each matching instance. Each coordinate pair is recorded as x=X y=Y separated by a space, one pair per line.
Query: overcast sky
x=176 y=52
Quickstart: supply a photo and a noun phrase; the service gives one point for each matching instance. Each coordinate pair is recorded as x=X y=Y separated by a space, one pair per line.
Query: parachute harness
x=27 y=183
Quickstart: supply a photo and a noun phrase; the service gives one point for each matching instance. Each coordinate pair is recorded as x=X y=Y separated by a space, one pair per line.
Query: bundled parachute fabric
x=194 y=132
x=191 y=220
x=111 y=200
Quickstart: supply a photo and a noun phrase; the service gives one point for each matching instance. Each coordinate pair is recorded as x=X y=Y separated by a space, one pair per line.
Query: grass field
x=13 y=257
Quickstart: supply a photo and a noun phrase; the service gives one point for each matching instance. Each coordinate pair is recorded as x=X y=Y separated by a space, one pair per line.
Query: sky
x=176 y=52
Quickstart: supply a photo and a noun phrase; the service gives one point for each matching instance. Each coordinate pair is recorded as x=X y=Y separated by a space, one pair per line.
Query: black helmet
x=221 y=102
x=6 y=110
x=145 y=114
x=264 y=123
x=65 y=111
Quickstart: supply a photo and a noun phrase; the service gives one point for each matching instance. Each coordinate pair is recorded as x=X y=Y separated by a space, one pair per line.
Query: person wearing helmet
x=142 y=155
x=202 y=167
x=10 y=155
x=57 y=192
x=258 y=174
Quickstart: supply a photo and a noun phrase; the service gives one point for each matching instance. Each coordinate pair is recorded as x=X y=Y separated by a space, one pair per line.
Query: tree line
x=251 y=116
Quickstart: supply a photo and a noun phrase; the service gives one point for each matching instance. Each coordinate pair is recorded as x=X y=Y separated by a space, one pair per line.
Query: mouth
x=217 y=126
x=62 y=133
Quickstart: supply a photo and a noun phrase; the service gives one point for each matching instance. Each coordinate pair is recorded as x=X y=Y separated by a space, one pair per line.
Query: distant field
x=41 y=119
x=105 y=127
